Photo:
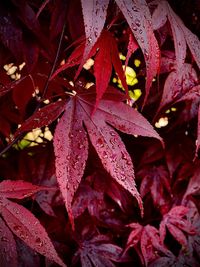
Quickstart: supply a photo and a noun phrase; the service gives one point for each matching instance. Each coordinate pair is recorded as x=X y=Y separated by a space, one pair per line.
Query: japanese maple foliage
x=99 y=133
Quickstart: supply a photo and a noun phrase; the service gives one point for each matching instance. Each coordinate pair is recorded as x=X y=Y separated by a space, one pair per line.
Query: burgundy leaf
x=19 y=189
x=71 y=145
x=94 y=14
x=42 y=117
x=181 y=34
x=25 y=225
x=99 y=252
x=176 y=222
x=178 y=83
x=86 y=198
x=71 y=150
x=162 y=12
x=146 y=241
x=138 y=17
x=155 y=180
x=8 y=252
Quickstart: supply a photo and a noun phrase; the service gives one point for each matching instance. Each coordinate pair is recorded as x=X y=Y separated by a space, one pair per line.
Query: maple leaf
x=181 y=34
x=106 y=55
x=177 y=224
x=178 y=83
x=156 y=181
x=87 y=198
x=146 y=241
x=71 y=142
x=22 y=222
x=138 y=16
x=98 y=251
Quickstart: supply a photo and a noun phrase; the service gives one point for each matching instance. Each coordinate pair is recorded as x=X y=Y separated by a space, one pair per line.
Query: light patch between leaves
x=162 y=122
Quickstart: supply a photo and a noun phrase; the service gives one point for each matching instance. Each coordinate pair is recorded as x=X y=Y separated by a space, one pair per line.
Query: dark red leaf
x=8 y=251
x=25 y=225
x=146 y=241
x=176 y=222
x=19 y=189
x=156 y=181
x=42 y=117
x=178 y=83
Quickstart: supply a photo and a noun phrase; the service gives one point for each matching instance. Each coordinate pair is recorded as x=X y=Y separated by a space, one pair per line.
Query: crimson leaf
x=146 y=241
x=71 y=143
x=177 y=224
x=27 y=227
x=18 y=189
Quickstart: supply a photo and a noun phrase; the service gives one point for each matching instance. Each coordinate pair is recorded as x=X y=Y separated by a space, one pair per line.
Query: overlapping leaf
x=22 y=222
x=146 y=241
x=98 y=251
x=138 y=17
x=71 y=142
x=181 y=34
x=156 y=181
x=179 y=82
x=177 y=224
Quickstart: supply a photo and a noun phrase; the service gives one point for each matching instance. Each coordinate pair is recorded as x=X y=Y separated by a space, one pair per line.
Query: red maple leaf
x=71 y=142
x=178 y=225
x=156 y=181
x=147 y=242
x=22 y=222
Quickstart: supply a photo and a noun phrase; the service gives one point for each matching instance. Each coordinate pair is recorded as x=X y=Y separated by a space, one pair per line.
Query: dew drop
x=135 y=9
x=105 y=155
x=4 y=239
x=137 y=22
x=39 y=242
x=123 y=177
x=80 y=146
x=112 y=133
x=90 y=40
x=100 y=143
